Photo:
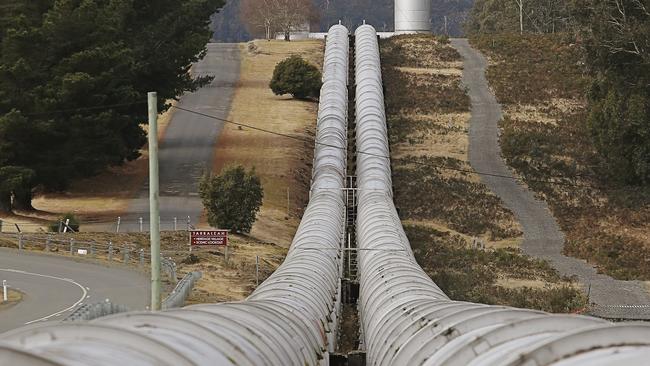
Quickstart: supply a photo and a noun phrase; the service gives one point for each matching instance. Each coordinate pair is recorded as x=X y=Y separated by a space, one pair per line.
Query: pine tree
x=59 y=57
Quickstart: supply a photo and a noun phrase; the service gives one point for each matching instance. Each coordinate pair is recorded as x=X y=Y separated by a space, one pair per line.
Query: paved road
x=54 y=286
x=543 y=237
x=187 y=147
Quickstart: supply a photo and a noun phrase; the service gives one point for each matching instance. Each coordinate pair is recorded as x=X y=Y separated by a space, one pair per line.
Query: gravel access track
x=186 y=149
x=543 y=237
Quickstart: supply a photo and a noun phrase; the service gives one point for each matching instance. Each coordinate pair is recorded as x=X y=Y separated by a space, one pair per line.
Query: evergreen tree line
x=60 y=57
x=615 y=35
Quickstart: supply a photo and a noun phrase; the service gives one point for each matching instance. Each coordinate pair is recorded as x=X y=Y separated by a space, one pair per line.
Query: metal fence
x=124 y=253
x=117 y=225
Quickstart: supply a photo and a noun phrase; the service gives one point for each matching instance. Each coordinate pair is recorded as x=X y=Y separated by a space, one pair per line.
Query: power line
x=313 y=141
x=427 y=164
x=83 y=109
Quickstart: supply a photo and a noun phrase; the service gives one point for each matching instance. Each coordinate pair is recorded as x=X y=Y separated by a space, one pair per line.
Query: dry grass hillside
x=542 y=85
x=283 y=164
x=443 y=205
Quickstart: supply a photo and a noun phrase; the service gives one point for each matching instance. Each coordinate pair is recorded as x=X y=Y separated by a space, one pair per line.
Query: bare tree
x=628 y=30
x=259 y=16
x=270 y=16
x=292 y=15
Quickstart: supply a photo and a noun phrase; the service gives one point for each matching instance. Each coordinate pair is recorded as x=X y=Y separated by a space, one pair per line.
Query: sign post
x=204 y=238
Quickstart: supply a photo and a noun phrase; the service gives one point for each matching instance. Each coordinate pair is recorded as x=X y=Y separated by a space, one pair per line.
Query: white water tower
x=412 y=16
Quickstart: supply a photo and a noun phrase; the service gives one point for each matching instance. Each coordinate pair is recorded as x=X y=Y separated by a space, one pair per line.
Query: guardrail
x=179 y=294
x=94 y=311
x=124 y=253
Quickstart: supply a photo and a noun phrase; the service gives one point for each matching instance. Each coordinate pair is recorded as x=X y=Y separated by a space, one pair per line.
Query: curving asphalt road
x=55 y=286
x=187 y=147
x=543 y=237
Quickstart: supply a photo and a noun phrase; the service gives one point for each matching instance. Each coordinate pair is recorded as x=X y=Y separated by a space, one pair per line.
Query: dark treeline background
x=228 y=27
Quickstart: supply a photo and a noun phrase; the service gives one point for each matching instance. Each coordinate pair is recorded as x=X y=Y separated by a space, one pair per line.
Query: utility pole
x=446 y=31
x=154 y=204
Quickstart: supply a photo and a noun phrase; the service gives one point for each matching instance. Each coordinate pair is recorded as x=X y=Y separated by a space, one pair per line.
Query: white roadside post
x=154 y=204
x=5 y=296
x=257 y=270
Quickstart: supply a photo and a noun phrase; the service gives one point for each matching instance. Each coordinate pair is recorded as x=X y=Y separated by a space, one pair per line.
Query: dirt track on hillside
x=543 y=237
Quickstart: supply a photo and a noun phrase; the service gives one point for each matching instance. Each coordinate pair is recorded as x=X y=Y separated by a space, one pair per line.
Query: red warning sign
x=209 y=238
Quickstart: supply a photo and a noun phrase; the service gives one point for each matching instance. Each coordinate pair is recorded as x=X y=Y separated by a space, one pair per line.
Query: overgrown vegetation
x=499 y=16
x=232 y=199
x=73 y=75
x=297 y=77
x=464 y=206
x=613 y=39
x=473 y=275
x=441 y=199
x=617 y=43
x=543 y=84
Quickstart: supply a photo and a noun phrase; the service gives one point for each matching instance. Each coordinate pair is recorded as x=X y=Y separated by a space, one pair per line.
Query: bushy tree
x=617 y=41
x=59 y=57
x=13 y=181
x=232 y=199
x=620 y=126
x=297 y=77
x=540 y=16
x=266 y=17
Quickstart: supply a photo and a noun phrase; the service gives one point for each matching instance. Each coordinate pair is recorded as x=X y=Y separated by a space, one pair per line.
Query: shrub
x=73 y=224
x=618 y=124
x=16 y=180
x=232 y=198
x=297 y=77
x=191 y=259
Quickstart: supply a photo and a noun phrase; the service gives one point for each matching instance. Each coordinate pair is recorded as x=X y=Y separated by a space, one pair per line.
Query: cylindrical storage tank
x=412 y=16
